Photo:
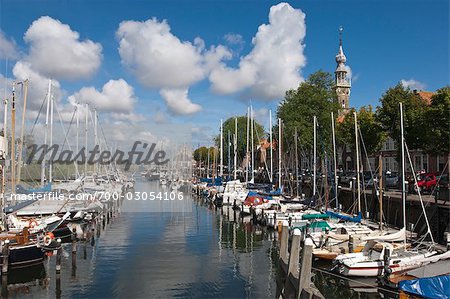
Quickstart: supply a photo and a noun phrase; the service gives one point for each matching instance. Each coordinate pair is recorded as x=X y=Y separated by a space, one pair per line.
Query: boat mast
x=22 y=128
x=271 y=148
x=235 y=148
x=247 y=153
x=296 y=163
x=49 y=91
x=50 y=162
x=334 y=161
x=13 y=139
x=221 y=148
x=229 y=155
x=380 y=189
x=402 y=141
x=314 y=155
x=96 y=165
x=357 y=163
x=253 y=147
x=5 y=150
x=279 y=153
x=86 y=120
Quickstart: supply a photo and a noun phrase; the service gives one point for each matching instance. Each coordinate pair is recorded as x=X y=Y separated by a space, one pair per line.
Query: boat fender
x=48 y=238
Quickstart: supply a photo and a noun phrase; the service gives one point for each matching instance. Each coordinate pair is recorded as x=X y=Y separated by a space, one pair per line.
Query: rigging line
x=420 y=196
x=68 y=129
x=39 y=113
x=370 y=167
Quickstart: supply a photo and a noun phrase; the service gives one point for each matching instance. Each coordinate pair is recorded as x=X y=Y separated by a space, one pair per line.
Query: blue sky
x=384 y=41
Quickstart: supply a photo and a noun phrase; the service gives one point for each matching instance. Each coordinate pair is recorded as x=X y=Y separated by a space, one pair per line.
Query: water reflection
x=196 y=251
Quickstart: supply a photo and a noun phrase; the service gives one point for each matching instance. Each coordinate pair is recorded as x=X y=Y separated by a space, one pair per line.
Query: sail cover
x=430 y=287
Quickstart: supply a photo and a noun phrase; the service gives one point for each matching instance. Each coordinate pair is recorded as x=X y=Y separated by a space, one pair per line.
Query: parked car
x=391 y=179
x=426 y=182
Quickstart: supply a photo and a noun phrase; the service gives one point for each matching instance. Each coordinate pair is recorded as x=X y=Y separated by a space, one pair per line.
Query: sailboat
x=380 y=255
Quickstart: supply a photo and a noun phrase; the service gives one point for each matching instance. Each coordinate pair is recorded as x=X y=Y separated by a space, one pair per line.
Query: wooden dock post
x=5 y=285
x=284 y=242
x=5 y=253
x=294 y=256
x=58 y=285
x=350 y=243
x=58 y=256
x=448 y=241
x=386 y=259
x=74 y=241
x=304 y=281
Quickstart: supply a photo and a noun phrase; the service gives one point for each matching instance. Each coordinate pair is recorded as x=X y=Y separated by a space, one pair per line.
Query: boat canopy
x=345 y=217
x=437 y=287
x=315 y=216
x=316 y=224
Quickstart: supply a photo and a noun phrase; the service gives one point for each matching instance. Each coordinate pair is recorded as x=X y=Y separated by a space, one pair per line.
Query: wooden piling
x=386 y=260
x=5 y=253
x=294 y=256
x=284 y=242
x=74 y=241
x=448 y=241
x=304 y=281
x=58 y=256
x=350 y=243
x=5 y=285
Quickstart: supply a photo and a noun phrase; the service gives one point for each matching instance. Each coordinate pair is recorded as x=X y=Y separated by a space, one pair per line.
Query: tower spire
x=343 y=84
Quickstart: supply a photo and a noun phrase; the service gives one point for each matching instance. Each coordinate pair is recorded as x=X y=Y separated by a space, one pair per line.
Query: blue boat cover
x=429 y=287
x=217 y=181
x=44 y=189
x=345 y=217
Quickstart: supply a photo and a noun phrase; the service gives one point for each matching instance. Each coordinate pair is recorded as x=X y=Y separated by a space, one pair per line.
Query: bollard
x=5 y=285
x=58 y=286
x=294 y=255
x=350 y=243
x=74 y=241
x=448 y=241
x=304 y=280
x=5 y=253
x=58 y=256
x=386 y=260
x=284 y=242
x=93 y=237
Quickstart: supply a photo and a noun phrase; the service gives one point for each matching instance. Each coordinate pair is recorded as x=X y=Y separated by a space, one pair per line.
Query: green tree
x=314 y=97
x=438 y=123
x=229 y=126
x=201 y=154
x=414 y=111
x=371 y=130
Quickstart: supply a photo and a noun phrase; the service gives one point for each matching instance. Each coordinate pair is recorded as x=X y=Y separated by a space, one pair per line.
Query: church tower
x=343 y=83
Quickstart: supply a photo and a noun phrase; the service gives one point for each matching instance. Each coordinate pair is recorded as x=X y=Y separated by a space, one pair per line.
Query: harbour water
x=199 y=252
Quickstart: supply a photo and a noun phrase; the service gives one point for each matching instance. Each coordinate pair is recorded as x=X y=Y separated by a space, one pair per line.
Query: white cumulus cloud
x=158 y=58
x=37 y=86
x=56 y=50
x=273 y=66
x=413 y=84
x=178 y=102
x=8 y=49
x=116 y=96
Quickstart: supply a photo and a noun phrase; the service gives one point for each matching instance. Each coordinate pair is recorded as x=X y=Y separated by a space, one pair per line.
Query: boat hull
x=23 y=255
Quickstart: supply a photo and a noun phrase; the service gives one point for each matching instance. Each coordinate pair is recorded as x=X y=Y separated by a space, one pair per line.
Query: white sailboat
x=380 y=257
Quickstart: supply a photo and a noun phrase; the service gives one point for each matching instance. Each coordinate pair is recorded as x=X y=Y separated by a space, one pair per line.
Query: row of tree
x=427 y=125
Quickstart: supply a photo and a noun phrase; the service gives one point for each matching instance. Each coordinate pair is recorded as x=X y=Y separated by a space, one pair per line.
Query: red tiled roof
x=425 y=95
